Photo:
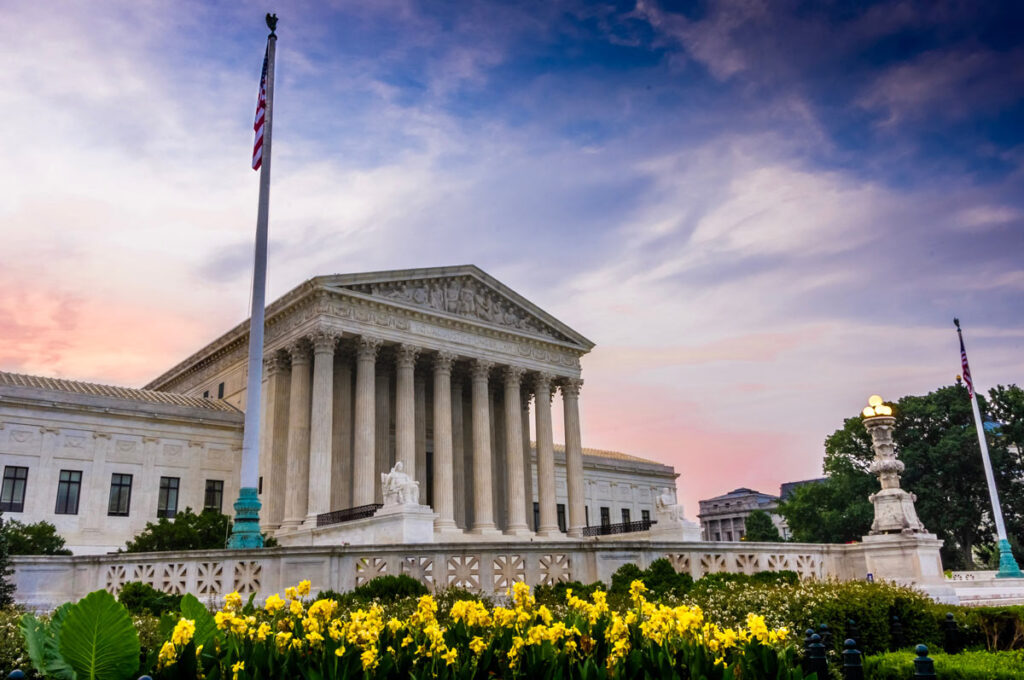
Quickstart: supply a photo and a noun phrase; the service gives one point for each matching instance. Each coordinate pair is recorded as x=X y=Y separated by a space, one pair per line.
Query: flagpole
x=1008 y=567
x=246 y=530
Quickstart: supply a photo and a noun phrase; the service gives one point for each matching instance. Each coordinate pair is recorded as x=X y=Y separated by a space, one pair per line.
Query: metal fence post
x=923 y=666
x=853 y=668
x=951 y=635
x=815 y=660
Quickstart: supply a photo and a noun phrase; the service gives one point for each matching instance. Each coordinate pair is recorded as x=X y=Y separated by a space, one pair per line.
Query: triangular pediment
x=465 y=292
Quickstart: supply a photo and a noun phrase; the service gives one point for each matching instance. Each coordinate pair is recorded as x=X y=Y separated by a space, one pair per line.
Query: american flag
x=261 y=113
x=966 y=368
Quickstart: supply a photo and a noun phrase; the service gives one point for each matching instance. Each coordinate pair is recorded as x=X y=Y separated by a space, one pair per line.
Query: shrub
x=624 y=576
x=6 y=587
x=554 y=593
x=759 y=527
x=963 y=666
x=389 y=589
x=12 y=645
x=39 y=538
x=998 y=628
x=187 y=531
x=662 y=579
x=140 y=598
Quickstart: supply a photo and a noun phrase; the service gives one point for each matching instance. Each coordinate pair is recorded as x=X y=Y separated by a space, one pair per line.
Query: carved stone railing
x=621 y=528
x=347 y=515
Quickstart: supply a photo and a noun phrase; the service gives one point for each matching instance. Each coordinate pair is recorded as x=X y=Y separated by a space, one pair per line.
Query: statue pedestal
x=390 y=525
x=908 y=559
x=668 y=529
x=895 y=513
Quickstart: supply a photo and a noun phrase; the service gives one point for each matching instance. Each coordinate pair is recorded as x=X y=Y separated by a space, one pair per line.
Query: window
x=728 y=535
x=606 y=517
x=206 y=394
x=120 y=495
x=586 y=514
x=536 y=514
x=220 y=391
x=214 y=499
x=12 y=497
x=68 y=489
x=167 y=501
x=561 y=517
x=718 y=536
x=625 y=515
x=645 y=515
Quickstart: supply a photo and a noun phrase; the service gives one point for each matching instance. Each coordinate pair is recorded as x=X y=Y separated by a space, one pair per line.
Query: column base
x=446 y=526
x=521 y=530
x=549 y=532
x=485 y=530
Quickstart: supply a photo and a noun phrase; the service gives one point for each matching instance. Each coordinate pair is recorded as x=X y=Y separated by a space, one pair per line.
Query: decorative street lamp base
x=1007 y=565
x=246 y=531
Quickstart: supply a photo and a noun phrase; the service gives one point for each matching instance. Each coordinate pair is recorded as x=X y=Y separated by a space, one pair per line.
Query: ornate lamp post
x=894 y=507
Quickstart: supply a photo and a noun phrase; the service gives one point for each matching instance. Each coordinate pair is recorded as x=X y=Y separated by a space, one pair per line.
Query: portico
x=436 y=368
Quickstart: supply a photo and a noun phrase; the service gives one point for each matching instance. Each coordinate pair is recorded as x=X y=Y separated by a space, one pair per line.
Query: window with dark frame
x=214 y=499
x=586 y=514
x=536 y=514
x=561 y=517
x=220 y=391
x=606 y=516
x=625 y=515
x=120 y=495
x=12 y=495
x=645 y=515
x=167 y=501
x=69 y=487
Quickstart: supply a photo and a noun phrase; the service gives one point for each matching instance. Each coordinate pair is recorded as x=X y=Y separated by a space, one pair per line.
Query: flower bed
x=293 y=637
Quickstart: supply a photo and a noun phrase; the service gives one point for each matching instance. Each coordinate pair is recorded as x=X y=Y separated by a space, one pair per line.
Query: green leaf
x=35 y=633
x=41 y=641
x=98 y=640
x=206 y=627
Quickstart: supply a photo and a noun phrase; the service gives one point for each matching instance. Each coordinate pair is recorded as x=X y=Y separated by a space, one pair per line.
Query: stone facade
x=723 y=518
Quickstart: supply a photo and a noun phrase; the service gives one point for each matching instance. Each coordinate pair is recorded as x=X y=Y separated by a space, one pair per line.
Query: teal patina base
x=245 y=534
x=1007 y=565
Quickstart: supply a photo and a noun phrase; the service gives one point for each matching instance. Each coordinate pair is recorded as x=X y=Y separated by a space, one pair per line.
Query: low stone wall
x=44 y=582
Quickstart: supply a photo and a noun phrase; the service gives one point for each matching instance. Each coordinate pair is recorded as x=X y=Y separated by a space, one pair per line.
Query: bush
x=964 y=666
x=140 y=598
x=760 y=528
x=12 y=645
x=624 y=576
x=998 y=628
x=388 y=589
x=40 y=538
x=662 y=579
x=6 y=571
x=187 y=531
x=555 y=593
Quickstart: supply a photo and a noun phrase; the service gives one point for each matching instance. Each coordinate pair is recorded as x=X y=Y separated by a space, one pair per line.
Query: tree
x=187 y=531
x=936 y=440
x=759 y=527
x=6 y=571
x=40 y=538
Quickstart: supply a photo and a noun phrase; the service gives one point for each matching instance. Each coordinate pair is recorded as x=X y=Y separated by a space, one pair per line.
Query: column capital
x=514 y=376
x=443 y=362
x=542 y=385
x=323 y=341
x=571 y=387
x=367 y=347
x=405 y=356
x=481 y=369
x=275 y=362
x=299 y=351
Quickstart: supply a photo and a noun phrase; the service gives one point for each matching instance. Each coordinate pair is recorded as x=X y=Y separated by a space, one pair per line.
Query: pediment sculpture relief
x=463 y=297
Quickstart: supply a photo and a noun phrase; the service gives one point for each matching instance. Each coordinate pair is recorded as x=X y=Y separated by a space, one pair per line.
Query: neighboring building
x=724 y=518
x=787 y=488
x=361 y=370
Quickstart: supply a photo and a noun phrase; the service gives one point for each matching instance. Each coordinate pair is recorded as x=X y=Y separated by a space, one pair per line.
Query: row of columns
x=308 y=470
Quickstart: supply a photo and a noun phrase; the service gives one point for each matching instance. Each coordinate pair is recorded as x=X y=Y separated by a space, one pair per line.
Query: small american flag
x=261 y=113
x=966 y=368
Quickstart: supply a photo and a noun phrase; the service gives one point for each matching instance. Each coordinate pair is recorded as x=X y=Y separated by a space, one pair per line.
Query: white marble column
x=483 y=515
x=383 y=454
x=458 y=451
x=524 y=400
x=321 y=425
x=341 y=449
x=545 y=457
x=573 y=456
x=274 y=444
x=496 y=415
x=405 y=408
x=515 y=490
x=444 y=473
x=420 y=389
x=297 y=477
x=363 y=454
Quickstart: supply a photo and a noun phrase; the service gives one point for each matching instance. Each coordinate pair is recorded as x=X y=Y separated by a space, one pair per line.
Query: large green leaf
x=41 y=642
x=97 y=639
x=206 y=626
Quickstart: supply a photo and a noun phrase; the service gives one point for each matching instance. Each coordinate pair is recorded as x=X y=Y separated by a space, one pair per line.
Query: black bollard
x=852 y=631
x=853 y=668
x=826 y=635
x=16 y=675
x=951 y=635
x=923 y=666
x=895 y=634
x=807 y=637
x=815 y=661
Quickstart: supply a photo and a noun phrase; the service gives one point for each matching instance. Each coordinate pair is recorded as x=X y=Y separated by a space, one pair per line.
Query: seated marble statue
x=398 y=488
x=666 y=509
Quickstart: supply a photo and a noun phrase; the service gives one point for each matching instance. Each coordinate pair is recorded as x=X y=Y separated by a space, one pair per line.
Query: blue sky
x=762 y=212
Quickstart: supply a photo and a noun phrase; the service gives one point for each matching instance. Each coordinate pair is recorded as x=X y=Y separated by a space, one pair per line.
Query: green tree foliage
x=936 y=440
x=187 y=531
x=759 y=527
x=6 y=571
x=40 y=538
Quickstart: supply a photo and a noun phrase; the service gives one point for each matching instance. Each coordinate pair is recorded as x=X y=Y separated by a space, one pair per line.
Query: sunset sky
x=761 y=212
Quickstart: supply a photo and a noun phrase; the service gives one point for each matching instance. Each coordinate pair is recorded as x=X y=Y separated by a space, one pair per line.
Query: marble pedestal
x=391 y=525
x=910 y=560
x=675 y=530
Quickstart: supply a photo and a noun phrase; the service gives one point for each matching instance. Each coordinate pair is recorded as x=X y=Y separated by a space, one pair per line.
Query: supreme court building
x=443 y=369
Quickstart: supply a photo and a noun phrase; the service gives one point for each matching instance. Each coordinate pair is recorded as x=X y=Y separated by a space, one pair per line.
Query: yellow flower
x=314 y=638
x=167 y=655
x=282 y=640
x=323 y=609
x=477 y=644
x=340 y=651
x=394 y=625
x=232 y=601
x=449 y=657
x=637 y=590
x=296 y=608
x=183 y=632
x=274 y=604
x=239 y=666
x=263 y=631
x=303 y=588
x=369 y=658
x=223 y=620
x=291 y=593
x=521 y=596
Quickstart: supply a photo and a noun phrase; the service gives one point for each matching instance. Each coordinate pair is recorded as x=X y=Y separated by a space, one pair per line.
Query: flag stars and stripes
x=261 y=113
